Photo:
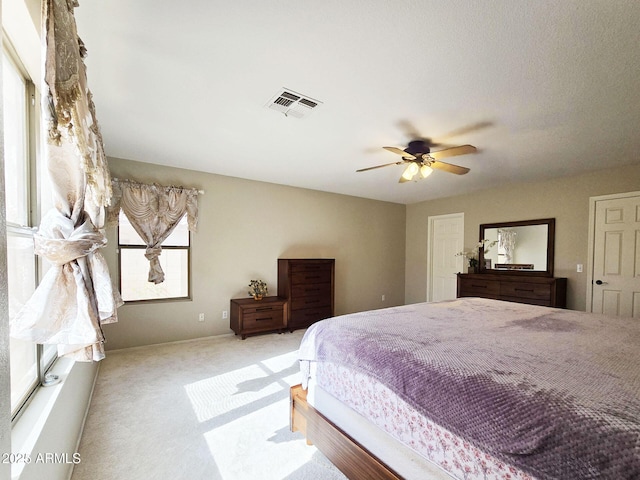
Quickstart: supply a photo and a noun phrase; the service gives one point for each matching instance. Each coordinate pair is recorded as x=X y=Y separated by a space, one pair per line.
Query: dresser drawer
x=311 y=289
x=307 y=316
x=311 y=277
x=473 y=287
x=310 y=301
x=533 y=291
x=313 y=266
x=523 y=288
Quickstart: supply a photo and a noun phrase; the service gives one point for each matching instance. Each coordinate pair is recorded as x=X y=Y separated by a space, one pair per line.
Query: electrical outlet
x=579 y=268
x=201 y=317
x=383 y=297
x=225 y=314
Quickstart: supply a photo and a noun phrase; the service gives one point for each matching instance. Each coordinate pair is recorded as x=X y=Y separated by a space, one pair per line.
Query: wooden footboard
x=355 y=461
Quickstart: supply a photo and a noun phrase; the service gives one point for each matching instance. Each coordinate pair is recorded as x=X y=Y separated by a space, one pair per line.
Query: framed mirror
x=523 y=247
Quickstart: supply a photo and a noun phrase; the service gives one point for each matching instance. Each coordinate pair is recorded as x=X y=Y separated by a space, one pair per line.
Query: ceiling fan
x=421 y=160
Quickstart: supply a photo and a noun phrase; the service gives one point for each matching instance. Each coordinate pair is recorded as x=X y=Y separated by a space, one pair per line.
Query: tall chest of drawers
x=308 y=286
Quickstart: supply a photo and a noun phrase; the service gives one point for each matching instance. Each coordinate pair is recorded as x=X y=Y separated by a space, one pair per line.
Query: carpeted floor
x=215 y=408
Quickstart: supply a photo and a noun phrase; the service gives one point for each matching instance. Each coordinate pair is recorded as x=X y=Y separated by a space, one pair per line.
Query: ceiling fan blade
x=379 y=166
x=452 y=152
x=410 y=130
x=466 y=130
x=413 y=133
x=399 y=151
x=448 y=167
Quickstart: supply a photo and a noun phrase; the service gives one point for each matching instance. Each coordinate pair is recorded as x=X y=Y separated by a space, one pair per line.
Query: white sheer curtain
x=154 y=211
x=507 y=239
x=76 y=295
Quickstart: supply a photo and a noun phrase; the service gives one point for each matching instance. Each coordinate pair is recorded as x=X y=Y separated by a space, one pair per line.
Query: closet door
x=616 y=257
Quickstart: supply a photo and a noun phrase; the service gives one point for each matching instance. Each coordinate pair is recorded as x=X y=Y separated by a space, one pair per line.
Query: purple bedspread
x=555 y=393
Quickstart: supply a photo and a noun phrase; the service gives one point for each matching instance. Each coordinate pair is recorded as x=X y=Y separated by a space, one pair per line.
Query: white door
x=445 y=239
x=615 y=285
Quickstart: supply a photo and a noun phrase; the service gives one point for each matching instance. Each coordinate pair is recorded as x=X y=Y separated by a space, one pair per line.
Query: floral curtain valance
x=154 y=212
x=75 y=297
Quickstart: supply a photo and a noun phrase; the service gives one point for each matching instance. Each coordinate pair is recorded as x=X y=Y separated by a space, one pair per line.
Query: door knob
x=600 y=282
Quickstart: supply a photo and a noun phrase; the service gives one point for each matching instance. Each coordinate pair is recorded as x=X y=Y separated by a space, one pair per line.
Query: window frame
x=142 y=246
x=44 y=359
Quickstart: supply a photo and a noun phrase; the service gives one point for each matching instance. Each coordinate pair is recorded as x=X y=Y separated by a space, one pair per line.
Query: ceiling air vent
x=292 y=104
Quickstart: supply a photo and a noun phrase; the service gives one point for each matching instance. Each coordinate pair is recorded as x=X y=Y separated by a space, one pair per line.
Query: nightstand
x=249 y=316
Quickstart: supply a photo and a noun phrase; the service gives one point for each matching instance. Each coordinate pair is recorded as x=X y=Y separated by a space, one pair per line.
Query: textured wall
x=245 y=226
x=566 y=199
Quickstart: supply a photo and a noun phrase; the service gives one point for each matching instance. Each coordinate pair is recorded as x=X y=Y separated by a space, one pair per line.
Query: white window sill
x=46 y=436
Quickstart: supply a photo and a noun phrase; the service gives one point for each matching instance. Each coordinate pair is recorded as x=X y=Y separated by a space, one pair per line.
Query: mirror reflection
x=516 y=248
x=524 y=247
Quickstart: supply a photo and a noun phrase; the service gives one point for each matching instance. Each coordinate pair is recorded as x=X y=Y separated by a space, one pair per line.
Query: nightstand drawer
x=263 y=320
x=260 y=308
x=525 y=290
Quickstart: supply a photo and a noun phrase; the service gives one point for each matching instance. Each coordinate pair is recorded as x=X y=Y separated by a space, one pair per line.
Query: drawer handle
x=312 y=301
x=309 y=277
x=263 y=309
x=263 y=319
x=478 y=286
x=523 y=289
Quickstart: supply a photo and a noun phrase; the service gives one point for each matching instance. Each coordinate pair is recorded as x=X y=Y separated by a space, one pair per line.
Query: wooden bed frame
x=355 y=461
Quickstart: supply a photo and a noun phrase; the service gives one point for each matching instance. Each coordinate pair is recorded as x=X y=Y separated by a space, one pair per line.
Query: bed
x=473 y=389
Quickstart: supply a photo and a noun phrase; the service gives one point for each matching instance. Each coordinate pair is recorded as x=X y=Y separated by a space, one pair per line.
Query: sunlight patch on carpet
x=254 y=446
x=236 y=389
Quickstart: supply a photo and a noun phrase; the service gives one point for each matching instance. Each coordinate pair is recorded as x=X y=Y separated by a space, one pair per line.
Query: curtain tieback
x=81 y=242
x=152 y=253
x=156 y=275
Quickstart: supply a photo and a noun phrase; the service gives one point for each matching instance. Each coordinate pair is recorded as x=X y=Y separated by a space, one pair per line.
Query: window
x=28 y=361
x=134 y=266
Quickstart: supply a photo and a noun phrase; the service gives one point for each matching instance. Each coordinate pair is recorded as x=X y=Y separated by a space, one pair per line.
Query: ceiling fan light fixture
x=410 y=171
x=425 y=171
x=422 y=160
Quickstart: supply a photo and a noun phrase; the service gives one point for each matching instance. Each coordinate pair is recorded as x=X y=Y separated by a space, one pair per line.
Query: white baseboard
x=188 y=340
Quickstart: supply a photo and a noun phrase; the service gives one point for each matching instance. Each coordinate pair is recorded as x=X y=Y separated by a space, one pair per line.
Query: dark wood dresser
x=308 y=286
x=521 y=288
x=250 y=316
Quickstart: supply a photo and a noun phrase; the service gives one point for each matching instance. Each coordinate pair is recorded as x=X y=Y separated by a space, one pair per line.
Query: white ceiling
x=555 y=84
